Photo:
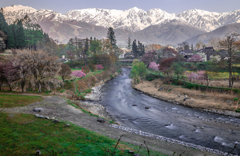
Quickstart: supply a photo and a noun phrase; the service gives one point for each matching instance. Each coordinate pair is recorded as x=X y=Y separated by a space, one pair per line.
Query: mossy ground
x=8 y=101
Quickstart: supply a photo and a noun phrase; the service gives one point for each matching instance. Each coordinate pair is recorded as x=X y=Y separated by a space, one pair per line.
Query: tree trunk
x=230 y=72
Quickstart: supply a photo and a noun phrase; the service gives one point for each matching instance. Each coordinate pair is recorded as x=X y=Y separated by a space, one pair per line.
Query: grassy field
x=23 y=134
x=217 y=75
x=7 y=100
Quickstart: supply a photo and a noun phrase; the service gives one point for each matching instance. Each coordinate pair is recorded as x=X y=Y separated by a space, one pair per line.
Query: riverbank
x=57 y=108
x=211 y=102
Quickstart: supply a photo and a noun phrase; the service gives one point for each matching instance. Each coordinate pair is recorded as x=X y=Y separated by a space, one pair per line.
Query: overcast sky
x=171 y=6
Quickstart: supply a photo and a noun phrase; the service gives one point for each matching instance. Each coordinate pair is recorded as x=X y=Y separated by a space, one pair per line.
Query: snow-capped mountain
x=133 y=19
x=133 y=22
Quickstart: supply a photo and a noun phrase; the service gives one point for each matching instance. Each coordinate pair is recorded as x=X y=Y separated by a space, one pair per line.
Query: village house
x=186 y=54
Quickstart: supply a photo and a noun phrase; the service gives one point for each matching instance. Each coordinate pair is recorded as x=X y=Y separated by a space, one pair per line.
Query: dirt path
x=57 y=107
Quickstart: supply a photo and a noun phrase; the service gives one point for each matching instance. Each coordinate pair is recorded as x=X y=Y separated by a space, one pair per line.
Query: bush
x=236 y=99
x=237 y=110
x=75 y=64
x=87 y=91
x=92 y=67
x=86 y=69
x=154 y=66
x=78 y=73
x=99 y=67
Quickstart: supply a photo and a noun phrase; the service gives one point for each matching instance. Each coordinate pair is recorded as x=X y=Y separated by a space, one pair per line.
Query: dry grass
x=219 y=83
x=198 y=99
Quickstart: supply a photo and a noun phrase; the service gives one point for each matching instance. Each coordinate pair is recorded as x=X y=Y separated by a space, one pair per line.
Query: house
x=207 y=53
x=186 y=54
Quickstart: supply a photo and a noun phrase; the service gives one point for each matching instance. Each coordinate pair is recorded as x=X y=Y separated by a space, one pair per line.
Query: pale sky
x=171 y=6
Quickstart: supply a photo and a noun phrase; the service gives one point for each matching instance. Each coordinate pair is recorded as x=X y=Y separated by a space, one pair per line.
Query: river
x=133 y=109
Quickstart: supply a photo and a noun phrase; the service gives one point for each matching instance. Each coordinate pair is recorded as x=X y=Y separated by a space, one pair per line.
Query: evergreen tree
x=20 y=37
x=129 y=44
x=3 y=24
x=192 y=47
x=111 y=37
x=11 y=40
x=134 y=48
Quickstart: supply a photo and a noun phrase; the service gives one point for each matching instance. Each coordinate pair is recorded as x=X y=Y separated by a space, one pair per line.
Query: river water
x=133 y=109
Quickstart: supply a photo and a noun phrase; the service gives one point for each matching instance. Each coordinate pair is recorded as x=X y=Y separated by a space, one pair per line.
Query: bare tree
x=38 y=67
x=230 y=45
x=183 y=46
x=65 y=71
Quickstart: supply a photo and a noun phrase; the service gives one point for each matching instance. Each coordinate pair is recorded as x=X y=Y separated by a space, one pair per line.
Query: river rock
x=56 y=121
x=37 y=109
x=131 y=152
x=40 y=116
x=186 y=98
x=134 y=105
x=101 y=120
x=67 y=125
x=162 y=88
x=38 y=152
x=147 y=107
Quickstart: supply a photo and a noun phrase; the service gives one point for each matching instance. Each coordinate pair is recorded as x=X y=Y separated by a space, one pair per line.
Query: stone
x=101 y=120
x=40 y=116
x=38 y=109
x=53 y=118
x=186 y=98
x=147 y=107
x=46 y=117
x=136 y=154
x=131 y=152
x=37 y=115
x=162 y=88
x=179 y=96
x=134 y=105
x=67 y=125
x=38 y=152
x=56 y=121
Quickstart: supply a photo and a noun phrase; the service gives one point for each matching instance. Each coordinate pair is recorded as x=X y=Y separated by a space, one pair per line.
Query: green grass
x=7 y=100
x=23 y=134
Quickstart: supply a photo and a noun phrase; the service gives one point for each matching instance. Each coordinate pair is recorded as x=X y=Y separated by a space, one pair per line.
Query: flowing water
x=133 y=109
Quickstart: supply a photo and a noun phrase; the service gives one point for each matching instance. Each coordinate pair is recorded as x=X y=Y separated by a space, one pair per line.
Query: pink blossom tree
x=195 y=58
x=78 y=73
x=154 y=66
x=199 y=75
x=99 y=67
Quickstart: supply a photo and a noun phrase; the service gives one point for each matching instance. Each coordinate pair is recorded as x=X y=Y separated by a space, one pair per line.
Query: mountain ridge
x=134 y=23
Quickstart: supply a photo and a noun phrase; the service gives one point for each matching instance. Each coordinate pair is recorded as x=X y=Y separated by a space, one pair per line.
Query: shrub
x=99 y=67
x=236 y=99
x=87 y=91
x=237 y=110
x=92 y=67
x=86 y=69
x=78 y=73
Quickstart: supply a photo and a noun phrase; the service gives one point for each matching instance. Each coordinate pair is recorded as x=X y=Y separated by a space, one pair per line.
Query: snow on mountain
x=133 y=19
x=14 y=12
x=154 y=24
